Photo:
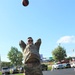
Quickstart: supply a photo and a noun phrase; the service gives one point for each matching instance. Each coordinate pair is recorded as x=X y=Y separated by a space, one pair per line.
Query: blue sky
x=51 y=20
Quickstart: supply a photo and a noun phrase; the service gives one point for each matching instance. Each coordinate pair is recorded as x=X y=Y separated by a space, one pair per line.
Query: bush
x=49 y=67
x=44 y=67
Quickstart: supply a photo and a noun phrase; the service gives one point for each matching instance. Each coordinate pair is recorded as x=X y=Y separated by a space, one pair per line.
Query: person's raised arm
x=38 y=43
x=22 y=45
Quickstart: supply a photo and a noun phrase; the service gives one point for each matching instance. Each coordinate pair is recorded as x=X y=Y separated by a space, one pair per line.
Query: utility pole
x=73 y=53
x=59 y=44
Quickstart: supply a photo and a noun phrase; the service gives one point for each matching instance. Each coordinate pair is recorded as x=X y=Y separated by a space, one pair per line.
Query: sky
x=51 y=20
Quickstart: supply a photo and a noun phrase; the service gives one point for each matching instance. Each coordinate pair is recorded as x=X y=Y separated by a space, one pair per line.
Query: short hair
x=29 y=37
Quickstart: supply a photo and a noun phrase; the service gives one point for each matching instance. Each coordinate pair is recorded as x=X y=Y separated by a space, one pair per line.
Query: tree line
x=16 y=58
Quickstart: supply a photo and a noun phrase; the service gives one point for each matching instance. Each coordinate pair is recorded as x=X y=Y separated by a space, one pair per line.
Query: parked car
x=60 y=66
x=57 y=66
x=68 y=65
x=21 y=69
x=5 y=70
x=73 y=64
x=44 y=67
x=14 y=70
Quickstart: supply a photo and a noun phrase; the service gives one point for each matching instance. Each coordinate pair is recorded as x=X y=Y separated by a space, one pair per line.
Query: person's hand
x=22 y=44
x=38 y=43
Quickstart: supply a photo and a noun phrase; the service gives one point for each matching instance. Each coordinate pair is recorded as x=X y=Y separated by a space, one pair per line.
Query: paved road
x=60 y=72
x=69 y=71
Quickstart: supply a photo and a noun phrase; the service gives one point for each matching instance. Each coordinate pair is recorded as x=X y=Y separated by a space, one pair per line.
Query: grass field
x=0 y=73
x=14 y=74
x=19 y=74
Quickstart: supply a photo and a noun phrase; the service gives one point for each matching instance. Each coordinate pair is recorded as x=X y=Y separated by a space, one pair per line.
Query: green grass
x=0 y=73
x=19 y=74
x=49 y=68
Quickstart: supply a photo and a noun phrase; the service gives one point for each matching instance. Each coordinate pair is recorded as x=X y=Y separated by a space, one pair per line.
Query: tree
x=15 y=56
x=59 y=53
x=6 y=64
x=69 y=58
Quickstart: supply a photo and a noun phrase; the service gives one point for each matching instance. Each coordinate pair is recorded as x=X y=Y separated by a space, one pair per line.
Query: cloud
x=66 y=39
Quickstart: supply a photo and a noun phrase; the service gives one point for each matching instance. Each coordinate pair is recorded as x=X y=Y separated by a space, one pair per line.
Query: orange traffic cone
x=25 y=2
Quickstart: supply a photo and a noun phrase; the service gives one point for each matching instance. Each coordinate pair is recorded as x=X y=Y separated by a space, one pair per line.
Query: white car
x=73 y=64
x=57 y=66
x=5 y=70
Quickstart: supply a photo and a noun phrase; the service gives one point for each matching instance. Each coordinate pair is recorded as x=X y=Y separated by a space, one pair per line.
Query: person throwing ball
x=32 y=63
